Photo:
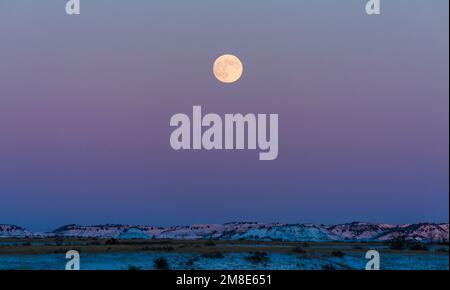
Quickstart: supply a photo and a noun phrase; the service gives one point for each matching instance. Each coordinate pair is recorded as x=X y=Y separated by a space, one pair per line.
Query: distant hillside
x=13 y=231
x=355 y=231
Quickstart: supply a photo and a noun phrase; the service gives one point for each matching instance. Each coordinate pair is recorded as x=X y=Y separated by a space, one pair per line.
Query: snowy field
x=235 y=261
x=204 y=255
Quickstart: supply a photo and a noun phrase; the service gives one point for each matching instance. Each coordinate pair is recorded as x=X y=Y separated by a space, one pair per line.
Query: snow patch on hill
x=13 y=231
x=355 y=231
x=359 y=231
x=301 y=233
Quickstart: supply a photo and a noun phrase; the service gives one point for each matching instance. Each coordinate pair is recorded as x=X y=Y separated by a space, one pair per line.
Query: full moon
x=227 y=68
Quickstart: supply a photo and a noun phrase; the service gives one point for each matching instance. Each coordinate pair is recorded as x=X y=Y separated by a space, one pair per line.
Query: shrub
x=398 y=243
x=298 y=250
x=161 y=263
x=328 y=267
x=191 y=261
x=158 y=249
x=418 y=247
x=210 y=243
x=258 y=257
x=213 y=255
x=133 y=268
x=60 y=251
x=111 y=242
x=338 y=254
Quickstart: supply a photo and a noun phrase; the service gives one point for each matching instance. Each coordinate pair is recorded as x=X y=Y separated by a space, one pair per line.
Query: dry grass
x=58 y=245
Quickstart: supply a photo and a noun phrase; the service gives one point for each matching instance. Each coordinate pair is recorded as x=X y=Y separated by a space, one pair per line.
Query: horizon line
x=223 y=223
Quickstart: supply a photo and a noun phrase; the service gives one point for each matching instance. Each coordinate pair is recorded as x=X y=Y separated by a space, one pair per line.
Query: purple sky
x=85 y=103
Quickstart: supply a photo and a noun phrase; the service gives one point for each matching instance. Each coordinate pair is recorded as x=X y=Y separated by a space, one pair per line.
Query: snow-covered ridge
x=355 y=231
x=13 y=231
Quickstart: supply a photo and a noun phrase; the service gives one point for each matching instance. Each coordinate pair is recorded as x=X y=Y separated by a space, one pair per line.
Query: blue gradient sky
x=85 y=104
